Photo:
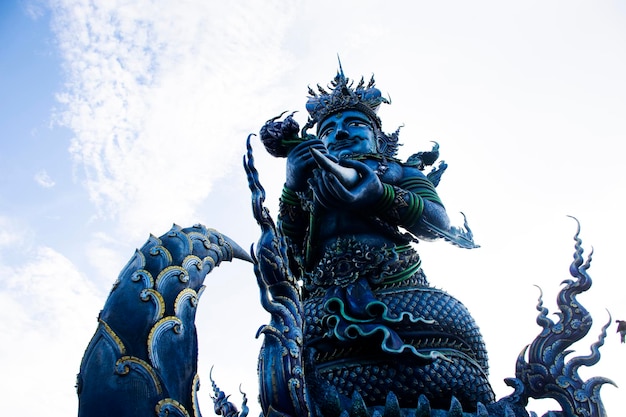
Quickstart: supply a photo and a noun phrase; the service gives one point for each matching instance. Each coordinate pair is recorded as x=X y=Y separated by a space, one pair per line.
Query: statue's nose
x=341 y=134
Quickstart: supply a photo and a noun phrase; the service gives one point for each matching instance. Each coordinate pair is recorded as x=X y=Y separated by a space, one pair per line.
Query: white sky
x=120 y=118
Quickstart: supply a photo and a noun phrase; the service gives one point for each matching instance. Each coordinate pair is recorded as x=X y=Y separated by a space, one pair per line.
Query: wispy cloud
x=156 y=97
x=43 y=179
x=45 y=304
x=9 y=235
x=15 y=239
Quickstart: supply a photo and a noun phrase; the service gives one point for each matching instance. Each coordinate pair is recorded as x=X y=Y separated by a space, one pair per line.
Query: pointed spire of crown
x=342 y=96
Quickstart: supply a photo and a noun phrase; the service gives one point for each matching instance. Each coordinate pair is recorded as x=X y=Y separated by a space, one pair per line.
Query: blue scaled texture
x=142 y=359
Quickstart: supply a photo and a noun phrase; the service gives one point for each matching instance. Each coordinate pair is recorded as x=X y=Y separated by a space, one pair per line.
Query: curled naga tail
x=142 y=359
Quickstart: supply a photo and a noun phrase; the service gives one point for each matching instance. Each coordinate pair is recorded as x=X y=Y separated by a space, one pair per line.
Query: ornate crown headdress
x=364 y=98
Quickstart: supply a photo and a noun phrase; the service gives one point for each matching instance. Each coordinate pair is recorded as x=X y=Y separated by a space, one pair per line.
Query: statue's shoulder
x=410 y=170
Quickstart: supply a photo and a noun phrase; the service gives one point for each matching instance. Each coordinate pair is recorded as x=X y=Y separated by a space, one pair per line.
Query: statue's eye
x=324 y=133
x=358 y=123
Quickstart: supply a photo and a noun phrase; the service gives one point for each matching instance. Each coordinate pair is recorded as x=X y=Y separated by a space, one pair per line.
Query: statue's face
x=348 y=132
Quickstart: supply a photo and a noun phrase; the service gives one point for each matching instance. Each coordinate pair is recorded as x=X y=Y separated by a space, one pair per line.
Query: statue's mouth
x=344 y=144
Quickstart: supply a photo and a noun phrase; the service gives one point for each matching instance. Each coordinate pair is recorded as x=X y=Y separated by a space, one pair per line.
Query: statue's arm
x=413 y=203
x=293 y=219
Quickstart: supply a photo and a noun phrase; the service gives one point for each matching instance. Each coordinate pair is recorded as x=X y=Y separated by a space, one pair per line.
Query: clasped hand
x=300 y=164
x=332 y=192
x=327 y=187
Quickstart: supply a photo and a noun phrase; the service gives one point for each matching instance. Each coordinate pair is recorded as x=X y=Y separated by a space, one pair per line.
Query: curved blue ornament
x=142 y=360
x=546 y=373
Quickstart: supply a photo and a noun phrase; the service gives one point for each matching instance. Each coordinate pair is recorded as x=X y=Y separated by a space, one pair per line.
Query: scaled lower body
x=407 y=339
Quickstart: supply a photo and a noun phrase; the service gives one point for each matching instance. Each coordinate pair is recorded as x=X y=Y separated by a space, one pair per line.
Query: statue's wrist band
x=413 y=211
x=386 y=200
x=290 y=197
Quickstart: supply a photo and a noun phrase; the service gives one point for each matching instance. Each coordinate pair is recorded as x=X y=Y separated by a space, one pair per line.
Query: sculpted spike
x=392 y=406
x=361 y=84
x=456 y=409
x=423 y=407
x=481 y=410
x=340 y=71
x=358 y=407
x=237 y=251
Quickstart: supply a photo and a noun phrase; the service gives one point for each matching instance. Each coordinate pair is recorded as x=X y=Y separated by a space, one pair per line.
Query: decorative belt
x=348 y=260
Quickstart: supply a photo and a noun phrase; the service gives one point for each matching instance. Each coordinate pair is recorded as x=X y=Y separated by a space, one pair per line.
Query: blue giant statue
x=355 y=327
x=349 y=212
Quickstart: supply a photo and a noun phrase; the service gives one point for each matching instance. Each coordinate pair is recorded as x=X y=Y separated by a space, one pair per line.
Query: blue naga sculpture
x=355 y=327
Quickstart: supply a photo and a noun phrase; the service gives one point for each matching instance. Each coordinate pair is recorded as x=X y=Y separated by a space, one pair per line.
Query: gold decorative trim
x=109 y=331
x=122 y=368
x=163 y=405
